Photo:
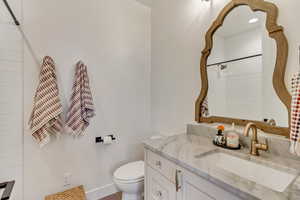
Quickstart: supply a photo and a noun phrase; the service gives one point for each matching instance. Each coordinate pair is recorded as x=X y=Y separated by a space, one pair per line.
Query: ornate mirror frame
x=276 y=32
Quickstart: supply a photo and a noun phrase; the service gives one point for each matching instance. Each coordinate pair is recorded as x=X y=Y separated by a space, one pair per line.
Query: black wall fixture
x=100 y=139
x=11 y=13
x=8 y=187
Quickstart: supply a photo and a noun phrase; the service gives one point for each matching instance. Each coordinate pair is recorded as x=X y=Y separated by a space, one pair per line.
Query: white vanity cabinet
x=196 y=188
x=158 y=187
x=164 y=180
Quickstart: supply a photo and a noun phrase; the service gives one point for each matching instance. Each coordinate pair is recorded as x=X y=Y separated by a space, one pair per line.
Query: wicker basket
x=76 y=193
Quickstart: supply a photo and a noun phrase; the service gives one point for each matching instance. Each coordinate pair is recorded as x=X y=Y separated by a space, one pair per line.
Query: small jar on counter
x=232 y=138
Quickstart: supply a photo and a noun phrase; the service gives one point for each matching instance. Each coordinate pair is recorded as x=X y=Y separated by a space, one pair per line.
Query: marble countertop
x=186 y=151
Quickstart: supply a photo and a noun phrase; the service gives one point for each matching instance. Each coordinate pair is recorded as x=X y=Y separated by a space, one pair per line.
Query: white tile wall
x=11 y=100
x=236 y=91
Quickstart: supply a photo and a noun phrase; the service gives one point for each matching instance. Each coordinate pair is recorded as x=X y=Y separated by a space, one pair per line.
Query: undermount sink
x=260 y=174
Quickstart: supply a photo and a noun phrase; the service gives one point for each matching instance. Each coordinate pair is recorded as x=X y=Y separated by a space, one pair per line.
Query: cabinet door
x=196 y=188
x=158 y=187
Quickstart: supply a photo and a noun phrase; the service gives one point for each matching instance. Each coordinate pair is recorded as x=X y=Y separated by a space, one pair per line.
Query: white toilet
x=129 y=179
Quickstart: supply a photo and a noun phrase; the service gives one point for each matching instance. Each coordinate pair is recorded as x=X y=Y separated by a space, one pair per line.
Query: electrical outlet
x=67 y=179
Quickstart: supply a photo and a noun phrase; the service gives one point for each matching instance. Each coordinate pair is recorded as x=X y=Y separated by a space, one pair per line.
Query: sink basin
x=260 y=174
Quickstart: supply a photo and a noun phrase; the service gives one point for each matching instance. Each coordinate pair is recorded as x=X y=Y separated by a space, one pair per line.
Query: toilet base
x=127 y=196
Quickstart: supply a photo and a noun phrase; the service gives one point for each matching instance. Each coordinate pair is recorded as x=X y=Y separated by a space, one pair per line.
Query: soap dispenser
x=220 y=138
x=232 y=137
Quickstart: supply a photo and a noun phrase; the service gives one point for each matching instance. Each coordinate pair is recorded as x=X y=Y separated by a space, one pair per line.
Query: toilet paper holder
x=100 y=139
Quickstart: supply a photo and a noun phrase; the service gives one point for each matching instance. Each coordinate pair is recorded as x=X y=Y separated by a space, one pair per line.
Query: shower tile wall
x=11 y=99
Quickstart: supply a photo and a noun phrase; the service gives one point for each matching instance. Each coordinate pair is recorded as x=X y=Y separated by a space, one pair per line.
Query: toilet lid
x=130 y=171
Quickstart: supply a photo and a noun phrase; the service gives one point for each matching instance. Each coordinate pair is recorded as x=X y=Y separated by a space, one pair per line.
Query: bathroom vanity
x=242 y=69
x=166 y=180
x=190 y=167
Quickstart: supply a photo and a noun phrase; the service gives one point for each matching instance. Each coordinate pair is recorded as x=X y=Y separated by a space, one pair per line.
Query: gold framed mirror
x=277 y=74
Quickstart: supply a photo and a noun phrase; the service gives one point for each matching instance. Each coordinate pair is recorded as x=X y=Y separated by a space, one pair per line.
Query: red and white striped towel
x=81 y=108
x=47 y=109
x=295 y=115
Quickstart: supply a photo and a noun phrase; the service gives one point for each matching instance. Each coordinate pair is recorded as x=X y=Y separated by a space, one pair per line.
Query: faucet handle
x=263 y=147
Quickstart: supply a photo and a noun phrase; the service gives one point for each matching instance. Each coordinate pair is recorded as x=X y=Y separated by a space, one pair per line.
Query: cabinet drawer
x=158 y=187
x=163 y=166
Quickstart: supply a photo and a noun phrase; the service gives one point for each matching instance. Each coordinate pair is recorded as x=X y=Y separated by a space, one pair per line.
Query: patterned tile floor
x=117 y=196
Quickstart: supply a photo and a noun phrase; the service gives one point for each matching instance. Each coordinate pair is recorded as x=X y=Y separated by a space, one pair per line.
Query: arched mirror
x=243 y=67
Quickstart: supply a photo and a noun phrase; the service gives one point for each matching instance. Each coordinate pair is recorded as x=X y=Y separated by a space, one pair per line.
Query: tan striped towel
x=47 y=109
x=81 y=108
x=204 y=108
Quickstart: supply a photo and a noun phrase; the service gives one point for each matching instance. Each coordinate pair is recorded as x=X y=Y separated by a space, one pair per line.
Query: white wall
x=177 y=41
x=113 y=38
x=218 y=53
x=243 y=44
x=177 y=28
x=11 y=98
x=146 y=2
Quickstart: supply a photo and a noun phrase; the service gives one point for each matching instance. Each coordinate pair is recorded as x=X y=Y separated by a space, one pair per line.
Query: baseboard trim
x=101 y=192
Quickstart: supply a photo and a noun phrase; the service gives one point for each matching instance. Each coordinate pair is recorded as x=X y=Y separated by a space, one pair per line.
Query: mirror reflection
x=240 y=70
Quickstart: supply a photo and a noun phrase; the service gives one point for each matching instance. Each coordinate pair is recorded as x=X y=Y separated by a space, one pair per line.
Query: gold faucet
x=255 y=146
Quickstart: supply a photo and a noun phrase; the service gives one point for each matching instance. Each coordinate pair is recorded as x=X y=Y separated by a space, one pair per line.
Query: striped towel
x=47 y=109
x=204 y=108
x=295 y=115
x=81 y=108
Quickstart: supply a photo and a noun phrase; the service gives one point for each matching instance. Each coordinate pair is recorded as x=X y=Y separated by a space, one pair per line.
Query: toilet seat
x=128 y=181
x=130 y=173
